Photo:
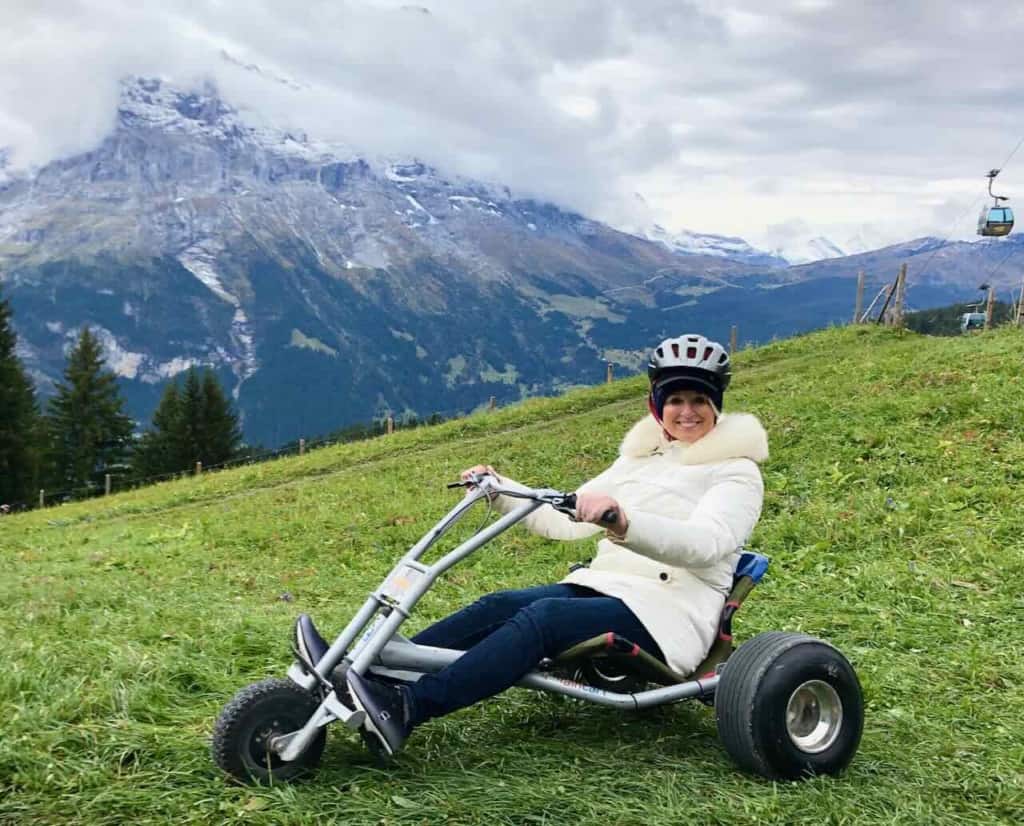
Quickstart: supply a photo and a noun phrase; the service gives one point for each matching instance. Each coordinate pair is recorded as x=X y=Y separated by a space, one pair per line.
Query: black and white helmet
x=689 y=362
x=690 y=354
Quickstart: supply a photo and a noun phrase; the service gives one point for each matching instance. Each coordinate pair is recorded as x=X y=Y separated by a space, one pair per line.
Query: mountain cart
x=787 y=705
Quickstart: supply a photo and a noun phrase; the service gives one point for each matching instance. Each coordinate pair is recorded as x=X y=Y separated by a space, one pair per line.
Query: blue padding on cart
x=753 y=565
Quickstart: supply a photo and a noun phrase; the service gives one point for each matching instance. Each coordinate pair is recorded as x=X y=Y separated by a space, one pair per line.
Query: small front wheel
x=789 y=706
x=246 y=726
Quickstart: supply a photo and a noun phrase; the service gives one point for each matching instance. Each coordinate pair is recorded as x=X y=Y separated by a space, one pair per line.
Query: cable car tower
x=996 y=220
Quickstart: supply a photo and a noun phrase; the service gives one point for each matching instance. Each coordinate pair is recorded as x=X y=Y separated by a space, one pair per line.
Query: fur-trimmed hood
x=735 y=436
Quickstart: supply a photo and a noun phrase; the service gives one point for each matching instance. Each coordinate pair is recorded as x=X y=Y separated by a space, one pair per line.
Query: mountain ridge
x=315 y=280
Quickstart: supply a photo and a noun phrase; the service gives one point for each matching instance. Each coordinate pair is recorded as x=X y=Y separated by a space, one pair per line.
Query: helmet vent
x=689 y=355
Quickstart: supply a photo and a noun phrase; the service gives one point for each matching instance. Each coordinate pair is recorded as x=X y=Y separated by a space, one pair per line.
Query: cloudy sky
x=773 y=120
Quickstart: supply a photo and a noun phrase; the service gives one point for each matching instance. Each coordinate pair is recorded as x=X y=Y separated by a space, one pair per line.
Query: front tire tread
x=232 y=733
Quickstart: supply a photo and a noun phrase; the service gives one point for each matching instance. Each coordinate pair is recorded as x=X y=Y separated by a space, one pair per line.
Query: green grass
x=893 y=514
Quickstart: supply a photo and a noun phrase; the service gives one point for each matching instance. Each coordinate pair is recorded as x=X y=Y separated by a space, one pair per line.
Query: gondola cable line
x=962 y=214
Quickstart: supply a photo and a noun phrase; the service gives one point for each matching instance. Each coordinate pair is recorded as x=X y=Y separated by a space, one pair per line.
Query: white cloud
x=726 y=118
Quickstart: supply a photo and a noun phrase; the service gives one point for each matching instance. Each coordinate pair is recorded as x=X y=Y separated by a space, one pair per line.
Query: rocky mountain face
x=328 y=288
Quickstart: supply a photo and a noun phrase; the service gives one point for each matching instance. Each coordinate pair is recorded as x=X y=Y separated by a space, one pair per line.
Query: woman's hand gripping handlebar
x=596 y=508
x=480 y=476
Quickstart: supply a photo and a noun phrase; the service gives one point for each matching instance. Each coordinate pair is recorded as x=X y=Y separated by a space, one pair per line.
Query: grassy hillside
x=893 y=515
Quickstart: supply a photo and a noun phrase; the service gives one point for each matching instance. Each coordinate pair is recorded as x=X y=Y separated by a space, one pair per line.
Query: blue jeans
x=507 y=633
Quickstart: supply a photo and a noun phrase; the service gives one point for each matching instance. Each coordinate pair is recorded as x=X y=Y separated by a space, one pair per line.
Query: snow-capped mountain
x=794 y=250
x=720 y=246
x=805 y=250
x=325 y=287
x=799 y=243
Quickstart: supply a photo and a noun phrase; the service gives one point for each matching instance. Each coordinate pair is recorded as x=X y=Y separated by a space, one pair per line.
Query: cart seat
x=622 y=655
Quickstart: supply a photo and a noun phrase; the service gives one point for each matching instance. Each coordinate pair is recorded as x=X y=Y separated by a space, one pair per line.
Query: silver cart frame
x=371 y=642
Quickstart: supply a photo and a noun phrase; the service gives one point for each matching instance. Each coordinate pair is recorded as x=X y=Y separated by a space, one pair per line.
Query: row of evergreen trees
x=84 y=433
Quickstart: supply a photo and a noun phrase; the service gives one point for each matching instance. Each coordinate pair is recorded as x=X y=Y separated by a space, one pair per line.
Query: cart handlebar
x=563 y=502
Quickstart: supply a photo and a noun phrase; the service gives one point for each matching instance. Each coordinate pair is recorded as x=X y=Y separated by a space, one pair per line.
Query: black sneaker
x=387 y=715
x=308 y=642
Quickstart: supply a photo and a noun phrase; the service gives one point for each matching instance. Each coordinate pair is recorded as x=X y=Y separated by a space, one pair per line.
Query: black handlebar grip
x=609 y=517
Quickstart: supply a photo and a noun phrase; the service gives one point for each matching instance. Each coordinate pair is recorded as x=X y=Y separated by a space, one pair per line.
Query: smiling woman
x=674 y=510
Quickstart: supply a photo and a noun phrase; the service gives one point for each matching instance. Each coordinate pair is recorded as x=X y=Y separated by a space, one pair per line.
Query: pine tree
x=221 y=430
x=88 y=431
x=18 y=419
x=160 y=450
x=192 y=430
x=193 y=423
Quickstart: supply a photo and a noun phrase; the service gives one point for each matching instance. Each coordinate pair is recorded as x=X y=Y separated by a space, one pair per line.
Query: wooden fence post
x=901 y=291
x=733 y=336
x=608 y=378
x=42 y=498
x=199 y=468
x=859 y=306
x=302 y=446
x=491 y=404
x=990 y=306
x=106 y=485
x=391 y=425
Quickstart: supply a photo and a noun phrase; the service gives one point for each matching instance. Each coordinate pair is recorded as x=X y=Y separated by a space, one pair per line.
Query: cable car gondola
x=972 y=321
x=996 y=220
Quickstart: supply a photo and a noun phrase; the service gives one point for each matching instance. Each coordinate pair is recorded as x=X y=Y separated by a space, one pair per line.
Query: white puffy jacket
x=690 y=509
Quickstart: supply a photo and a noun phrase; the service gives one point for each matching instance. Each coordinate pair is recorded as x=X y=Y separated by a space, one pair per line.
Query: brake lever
x=566 y=503
x=473 y=481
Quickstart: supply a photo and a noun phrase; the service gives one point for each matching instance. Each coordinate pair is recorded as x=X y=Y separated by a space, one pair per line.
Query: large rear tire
x=245 y=727
x=789 y=706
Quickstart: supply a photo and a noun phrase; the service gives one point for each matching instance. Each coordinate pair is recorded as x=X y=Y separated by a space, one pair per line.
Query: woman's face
x=688 y=415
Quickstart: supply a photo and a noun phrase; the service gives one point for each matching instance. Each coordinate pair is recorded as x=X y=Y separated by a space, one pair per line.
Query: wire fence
x=919 y=275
